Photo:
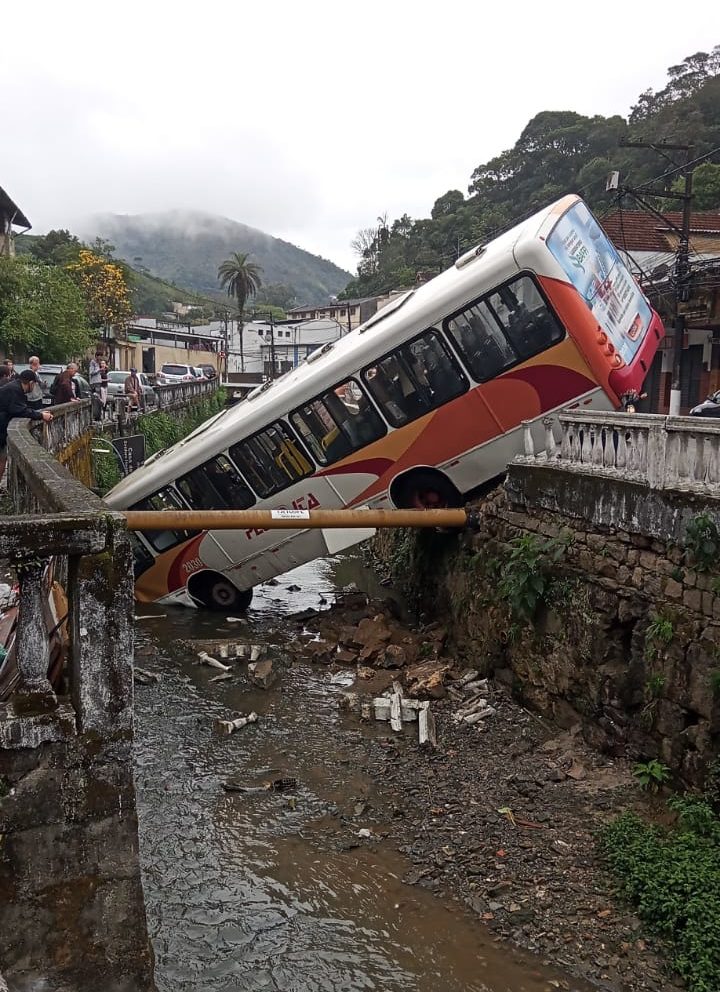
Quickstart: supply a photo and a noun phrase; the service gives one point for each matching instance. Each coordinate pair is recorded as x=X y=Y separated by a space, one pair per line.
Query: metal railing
x=678 y=453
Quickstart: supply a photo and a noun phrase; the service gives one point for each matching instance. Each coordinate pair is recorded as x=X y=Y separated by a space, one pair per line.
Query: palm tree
x=241 y=278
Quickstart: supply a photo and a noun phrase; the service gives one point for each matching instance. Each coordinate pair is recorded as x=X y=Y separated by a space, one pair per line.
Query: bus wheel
x=215 y=592
x=426 y=490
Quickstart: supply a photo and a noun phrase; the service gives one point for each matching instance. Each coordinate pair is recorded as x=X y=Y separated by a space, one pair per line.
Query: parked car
x=116 y=387
x=199 y=374
x=175 y=373
x=49 y=373
x=210 y=371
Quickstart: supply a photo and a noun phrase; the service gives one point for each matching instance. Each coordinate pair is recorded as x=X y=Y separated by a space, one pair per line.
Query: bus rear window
x=271 y=460
x=416 y=378
x=338 y=423
x=216 y=485
x=162 y=540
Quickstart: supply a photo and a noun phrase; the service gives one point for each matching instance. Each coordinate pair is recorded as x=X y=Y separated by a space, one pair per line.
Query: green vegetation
x=715 y=683
x=161 y=430
x=702 y=542
x=672 y=877
x=658 y=635
x=655 y=686
x=650 y=775
x=526 y=576
x=557 y=152
x=41 y=309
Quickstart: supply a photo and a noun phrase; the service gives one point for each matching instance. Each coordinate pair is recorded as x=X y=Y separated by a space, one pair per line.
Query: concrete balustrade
x=675 y=453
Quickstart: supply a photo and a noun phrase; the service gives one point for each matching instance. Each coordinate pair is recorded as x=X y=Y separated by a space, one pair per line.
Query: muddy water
x=276 y=890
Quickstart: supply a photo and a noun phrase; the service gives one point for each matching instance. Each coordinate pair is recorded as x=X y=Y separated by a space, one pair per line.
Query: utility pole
x=349 y=323
x=682 y=253
x=272 y=345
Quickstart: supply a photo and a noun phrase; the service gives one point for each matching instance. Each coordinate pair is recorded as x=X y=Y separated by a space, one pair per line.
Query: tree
x=706 y=187
x=104 y=288
x=42 y=310
x=242 y=279
x=56 y=247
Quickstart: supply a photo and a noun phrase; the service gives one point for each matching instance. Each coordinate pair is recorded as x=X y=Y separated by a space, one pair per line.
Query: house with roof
x=11 y=216
x=648 y=244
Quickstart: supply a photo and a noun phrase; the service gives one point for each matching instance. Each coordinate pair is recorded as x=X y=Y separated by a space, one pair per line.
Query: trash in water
x=205 y=659
x=230 y=726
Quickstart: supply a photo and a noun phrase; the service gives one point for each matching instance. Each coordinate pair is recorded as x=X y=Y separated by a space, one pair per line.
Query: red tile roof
x=635 y=230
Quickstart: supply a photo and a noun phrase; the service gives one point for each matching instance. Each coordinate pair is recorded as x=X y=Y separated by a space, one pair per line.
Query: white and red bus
x=417 y=407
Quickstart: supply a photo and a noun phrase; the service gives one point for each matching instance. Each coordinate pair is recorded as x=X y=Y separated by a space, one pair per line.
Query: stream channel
x=275 y=890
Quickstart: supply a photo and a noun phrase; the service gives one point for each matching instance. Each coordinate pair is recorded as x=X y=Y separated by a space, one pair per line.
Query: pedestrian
x=64 y=388
x=72 y=368
x=13 y=403
x=4 y=375
x=10 y=366
x=103 y=384
x=133 y=389
x=35 y=396
x=94 y=372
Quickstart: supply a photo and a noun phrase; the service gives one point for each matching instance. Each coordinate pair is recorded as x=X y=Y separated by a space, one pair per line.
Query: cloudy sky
x=306 y=119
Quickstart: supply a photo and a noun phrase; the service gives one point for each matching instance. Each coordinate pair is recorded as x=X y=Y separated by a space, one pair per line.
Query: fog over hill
x=186 y=248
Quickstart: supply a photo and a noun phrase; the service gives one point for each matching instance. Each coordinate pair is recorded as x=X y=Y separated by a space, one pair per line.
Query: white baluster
x=528 y=441
x=550 y=446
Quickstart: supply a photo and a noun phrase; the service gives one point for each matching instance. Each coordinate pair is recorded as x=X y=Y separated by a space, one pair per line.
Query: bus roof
x=334 y=362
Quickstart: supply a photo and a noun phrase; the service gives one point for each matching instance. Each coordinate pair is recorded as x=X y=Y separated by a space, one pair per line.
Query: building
x=148 y=344
x=11 y=216
x=648 y=245
x=286 y=343
x=349 y=313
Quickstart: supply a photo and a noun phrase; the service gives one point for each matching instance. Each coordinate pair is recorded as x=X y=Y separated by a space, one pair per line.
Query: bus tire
x=425 y=489
x=215 y=592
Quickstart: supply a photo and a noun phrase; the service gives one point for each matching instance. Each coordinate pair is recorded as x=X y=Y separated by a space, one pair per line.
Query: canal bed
x=276 y=890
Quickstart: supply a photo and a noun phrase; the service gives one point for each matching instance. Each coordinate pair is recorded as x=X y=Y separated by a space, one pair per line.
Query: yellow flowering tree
x=104 y=288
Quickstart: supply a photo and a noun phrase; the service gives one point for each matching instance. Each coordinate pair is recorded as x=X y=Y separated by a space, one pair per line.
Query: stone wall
x=625 y=641
x=72 y=913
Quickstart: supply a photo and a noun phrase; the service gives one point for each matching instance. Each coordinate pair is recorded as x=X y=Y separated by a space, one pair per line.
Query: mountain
x=186 y=248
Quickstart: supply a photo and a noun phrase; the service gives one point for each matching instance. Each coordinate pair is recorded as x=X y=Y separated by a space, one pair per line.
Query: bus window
x=271 y=460
x=142 y=559
x=216 y=485
x=164 y=499
x=525 y=316
x=480 y=341
x=414 y=379
x=338 y=423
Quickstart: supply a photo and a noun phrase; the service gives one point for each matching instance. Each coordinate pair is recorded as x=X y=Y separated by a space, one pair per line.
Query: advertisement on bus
x=598 y=273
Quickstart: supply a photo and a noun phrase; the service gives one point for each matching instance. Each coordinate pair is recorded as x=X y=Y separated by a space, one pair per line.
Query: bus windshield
x=598 y=273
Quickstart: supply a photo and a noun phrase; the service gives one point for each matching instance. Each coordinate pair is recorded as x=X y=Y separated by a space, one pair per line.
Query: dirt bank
x=502 y=813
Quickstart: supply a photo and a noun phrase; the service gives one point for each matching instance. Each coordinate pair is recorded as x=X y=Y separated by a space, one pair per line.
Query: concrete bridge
x=73 y=914
x=74 y=917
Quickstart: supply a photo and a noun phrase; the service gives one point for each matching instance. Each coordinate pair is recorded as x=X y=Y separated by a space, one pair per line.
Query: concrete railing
x=674 y=453
x=73 y=539
x=179 y=393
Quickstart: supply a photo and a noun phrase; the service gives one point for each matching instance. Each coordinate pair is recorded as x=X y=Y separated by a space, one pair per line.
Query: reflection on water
x=253 y=891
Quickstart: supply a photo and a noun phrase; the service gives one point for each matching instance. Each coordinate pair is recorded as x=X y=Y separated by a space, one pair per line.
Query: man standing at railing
x=14 y=403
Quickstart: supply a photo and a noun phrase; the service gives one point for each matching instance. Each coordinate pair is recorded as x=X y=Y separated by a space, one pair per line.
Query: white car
x=175 y=373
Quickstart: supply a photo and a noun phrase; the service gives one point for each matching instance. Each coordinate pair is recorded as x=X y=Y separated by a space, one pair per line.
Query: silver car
x=116 y=387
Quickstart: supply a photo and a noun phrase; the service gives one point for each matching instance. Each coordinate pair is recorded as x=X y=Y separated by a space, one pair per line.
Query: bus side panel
x=546 y=382
x=173 y=568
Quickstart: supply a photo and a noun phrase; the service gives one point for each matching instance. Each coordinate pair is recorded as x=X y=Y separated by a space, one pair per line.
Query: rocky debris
x=262 y=673
x=272 y=785
x=230 y=726
x=205 y=659
x=142 y=676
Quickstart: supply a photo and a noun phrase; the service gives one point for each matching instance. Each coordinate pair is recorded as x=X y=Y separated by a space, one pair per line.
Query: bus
x=415 y=408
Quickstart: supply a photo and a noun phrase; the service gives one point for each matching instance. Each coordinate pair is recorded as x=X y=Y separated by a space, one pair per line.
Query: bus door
x=283 y=478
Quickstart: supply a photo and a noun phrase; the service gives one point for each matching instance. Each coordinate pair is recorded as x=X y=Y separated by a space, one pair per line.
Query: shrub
x=526 y=576
x=650 y=775
x=702 y=542
x=672 y=877
x=659 y=634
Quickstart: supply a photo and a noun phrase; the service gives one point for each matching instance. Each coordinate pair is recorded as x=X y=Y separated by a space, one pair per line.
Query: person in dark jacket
x=64 y=391
x=13 y=403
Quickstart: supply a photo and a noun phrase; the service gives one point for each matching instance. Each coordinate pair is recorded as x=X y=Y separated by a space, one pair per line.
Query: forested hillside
x=186 y=248
x=558 y=152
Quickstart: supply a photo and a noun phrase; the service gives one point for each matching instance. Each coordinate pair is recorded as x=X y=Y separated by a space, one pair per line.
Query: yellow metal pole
x=290 y=519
